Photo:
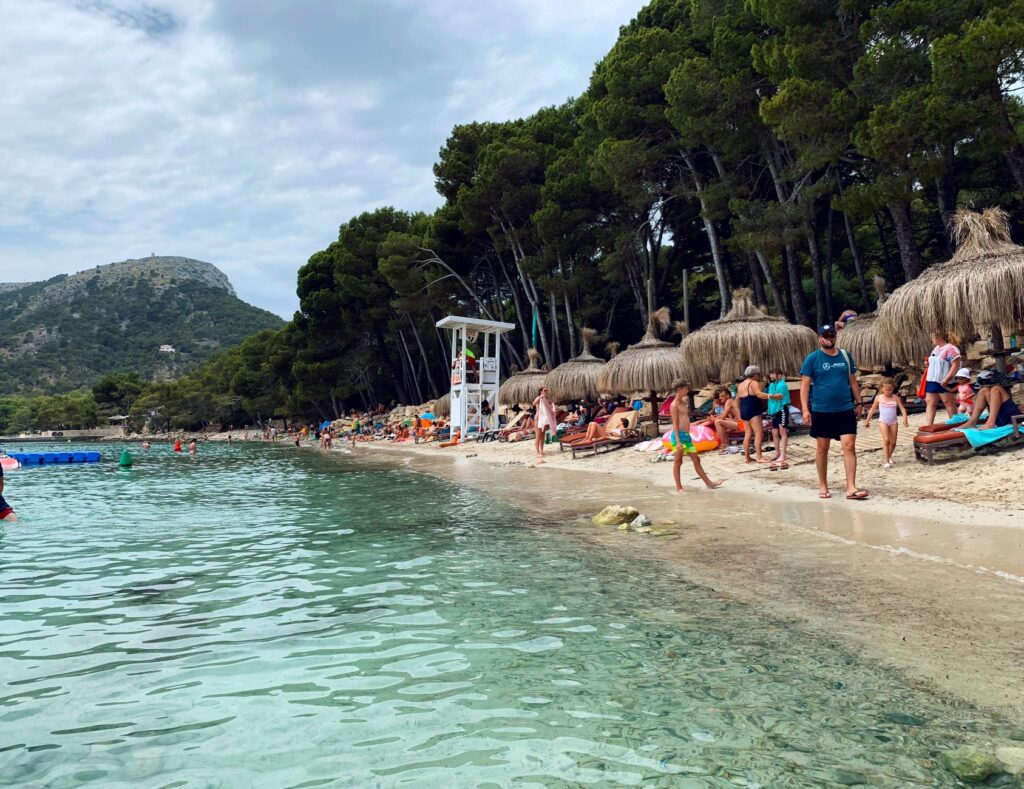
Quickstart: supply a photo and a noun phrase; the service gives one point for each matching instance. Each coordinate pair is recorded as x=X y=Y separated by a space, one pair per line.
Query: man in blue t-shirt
x=832 y=408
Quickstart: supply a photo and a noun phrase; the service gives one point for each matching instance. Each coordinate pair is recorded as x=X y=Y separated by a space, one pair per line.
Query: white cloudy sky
x=243 y=132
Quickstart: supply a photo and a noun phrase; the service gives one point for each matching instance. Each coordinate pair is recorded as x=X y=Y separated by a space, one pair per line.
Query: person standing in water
x=684 y=443
x=6 y=510
x=193 y=448
x=832 y=410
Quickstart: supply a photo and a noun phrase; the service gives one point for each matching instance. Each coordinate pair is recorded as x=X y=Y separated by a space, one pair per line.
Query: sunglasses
x=829 y=335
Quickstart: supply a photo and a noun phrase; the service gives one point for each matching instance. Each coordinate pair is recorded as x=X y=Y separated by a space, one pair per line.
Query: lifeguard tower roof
x=474 y=324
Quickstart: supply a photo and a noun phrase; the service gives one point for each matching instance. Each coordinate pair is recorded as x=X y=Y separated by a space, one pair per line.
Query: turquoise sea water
x=259 y=616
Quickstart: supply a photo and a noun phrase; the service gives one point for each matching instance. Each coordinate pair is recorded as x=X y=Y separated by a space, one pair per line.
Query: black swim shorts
x=781 y=419
x=833 y=424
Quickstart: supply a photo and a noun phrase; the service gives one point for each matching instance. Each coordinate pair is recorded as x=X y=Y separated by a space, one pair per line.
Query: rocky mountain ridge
x=68 y=331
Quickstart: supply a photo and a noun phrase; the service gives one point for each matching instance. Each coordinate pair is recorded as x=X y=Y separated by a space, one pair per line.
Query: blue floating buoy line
x=45 y=458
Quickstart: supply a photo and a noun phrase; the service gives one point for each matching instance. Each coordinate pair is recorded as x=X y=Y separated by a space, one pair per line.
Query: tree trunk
x=899 y=210
x=709 y=227
x=755 y=281
x=891 y=272
x=796 y=287
x=570 y=326
x=766 y=269
x=820 y=305
x=858 y=264
x=686 y=298
x=556 y=333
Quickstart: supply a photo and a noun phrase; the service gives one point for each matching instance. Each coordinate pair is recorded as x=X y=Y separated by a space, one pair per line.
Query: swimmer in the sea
x=6 y=510
x=193 y=448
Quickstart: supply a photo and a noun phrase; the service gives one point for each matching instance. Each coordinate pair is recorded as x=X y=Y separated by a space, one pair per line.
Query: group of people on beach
x=832 y=406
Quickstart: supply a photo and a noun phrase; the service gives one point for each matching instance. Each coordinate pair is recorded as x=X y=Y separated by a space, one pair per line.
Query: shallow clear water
x=260 y=616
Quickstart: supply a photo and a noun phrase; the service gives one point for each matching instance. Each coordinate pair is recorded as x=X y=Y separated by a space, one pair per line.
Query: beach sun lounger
x=952 y=442
x=628 y=435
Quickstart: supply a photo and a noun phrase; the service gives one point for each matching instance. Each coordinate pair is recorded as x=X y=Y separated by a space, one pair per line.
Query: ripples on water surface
x=258 y=616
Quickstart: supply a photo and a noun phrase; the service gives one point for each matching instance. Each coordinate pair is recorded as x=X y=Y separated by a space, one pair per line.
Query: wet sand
x=932 y=587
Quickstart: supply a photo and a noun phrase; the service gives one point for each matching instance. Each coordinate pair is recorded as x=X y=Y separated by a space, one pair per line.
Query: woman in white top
x=544 y=413
x=942 y=363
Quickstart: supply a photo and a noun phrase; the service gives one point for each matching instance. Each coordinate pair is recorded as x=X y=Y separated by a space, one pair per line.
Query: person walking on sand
x=887 y=403
x=832 y=408
x=545 y=416
x=684 y=443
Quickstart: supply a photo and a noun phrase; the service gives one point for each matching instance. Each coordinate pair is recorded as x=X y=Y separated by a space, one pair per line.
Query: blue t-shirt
x=830 y=379
x=778 y=387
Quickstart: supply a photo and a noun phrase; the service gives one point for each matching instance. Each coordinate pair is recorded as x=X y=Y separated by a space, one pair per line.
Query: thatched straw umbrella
x=522 y=387
x=443 y=405
x=576 y=379
x=864 y=341
x=721 y=349
x=652 y=365
x=981 y=288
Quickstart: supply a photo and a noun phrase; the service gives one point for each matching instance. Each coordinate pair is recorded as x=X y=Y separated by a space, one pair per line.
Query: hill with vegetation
x=67 y=332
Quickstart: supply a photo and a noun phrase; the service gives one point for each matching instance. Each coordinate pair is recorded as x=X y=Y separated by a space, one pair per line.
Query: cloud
x=243 y=132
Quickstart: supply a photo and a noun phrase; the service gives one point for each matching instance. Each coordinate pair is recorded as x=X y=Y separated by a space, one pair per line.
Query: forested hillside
x=68 y=331
x=795 y=147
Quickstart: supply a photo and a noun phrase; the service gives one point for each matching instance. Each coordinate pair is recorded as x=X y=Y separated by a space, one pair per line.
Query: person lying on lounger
x=993 y=395
x=598 y=432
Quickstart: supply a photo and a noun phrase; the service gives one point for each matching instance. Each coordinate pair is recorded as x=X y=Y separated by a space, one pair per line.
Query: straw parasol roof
x=443 y=405
x=862 y=338
x=523 y=387
x=652 y=365
x=576 y=379
x=721 y=349
x=980 y=287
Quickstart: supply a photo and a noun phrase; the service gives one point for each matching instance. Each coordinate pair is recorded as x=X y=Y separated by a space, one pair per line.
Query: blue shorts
x=934 y=387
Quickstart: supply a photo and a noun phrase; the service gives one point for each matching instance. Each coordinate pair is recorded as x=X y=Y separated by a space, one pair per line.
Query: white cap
x=963 y=372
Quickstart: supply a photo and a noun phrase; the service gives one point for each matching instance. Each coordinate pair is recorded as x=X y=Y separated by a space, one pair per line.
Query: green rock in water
x=126 y=459
x=971 y=764
x=615 y=515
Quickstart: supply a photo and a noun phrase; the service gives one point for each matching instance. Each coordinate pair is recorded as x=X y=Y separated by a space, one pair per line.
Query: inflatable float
x=46 y=458
x=704 y=439
x=9 y=463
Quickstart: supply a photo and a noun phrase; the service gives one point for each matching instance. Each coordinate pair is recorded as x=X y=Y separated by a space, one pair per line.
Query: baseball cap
x=963 y=372
x=828 y=328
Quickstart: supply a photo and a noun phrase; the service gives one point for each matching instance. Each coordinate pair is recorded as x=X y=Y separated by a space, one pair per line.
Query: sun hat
x=963 y=372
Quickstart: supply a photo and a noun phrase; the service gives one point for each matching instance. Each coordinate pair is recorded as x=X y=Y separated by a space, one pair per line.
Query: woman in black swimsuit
x=752 y=400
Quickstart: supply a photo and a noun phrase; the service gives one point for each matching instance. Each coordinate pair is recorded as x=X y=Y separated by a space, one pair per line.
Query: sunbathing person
x=994 y=396
x=598 y=432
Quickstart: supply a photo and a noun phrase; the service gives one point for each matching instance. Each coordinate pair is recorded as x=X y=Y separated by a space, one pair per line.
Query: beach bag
x=923 y=385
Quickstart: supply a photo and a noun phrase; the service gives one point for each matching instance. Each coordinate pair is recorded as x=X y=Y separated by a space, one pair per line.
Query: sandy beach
x=927 y=575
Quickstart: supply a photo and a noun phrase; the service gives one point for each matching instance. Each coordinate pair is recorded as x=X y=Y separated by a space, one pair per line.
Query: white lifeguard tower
x=473 y=383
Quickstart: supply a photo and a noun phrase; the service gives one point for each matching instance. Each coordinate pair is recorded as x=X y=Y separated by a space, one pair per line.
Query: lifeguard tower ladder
x=473 y=383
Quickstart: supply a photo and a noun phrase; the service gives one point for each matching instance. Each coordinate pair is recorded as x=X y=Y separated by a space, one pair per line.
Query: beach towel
x=546 y=416
x=956 y=420
x=982 y=438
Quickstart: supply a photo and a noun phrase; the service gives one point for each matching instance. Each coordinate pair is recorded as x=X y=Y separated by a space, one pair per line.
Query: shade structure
x=862 y=339
x=980 y=288
x=524 y=386
x=720 y=350
x=652 y=365
x=443 y=405
x=576 y=379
